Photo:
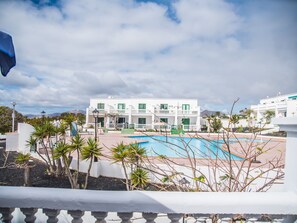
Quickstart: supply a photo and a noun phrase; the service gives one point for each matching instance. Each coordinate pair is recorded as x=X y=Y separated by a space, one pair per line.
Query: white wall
x=241 y=122
x=12 y=141
x=292 y=108
x=101 y=168
x=24 y=130
x=18 y=141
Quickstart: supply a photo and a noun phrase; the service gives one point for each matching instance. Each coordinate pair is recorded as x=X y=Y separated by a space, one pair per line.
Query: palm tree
x=268 y=115
x=61 y=130
x=89 y=152
x=120 y=153
x=216 y=124
x=31 y=142
x=234 y=119
x=62 y=151
x=135 y=153
x=42 y=134
x=77 y=143
x=68 y=119
x=249 y=115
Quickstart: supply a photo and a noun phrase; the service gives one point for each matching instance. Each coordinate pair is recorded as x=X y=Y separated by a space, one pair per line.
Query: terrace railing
x=143 y=205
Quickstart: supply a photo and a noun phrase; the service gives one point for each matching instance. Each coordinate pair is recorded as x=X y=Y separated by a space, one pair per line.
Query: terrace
x=18 y=204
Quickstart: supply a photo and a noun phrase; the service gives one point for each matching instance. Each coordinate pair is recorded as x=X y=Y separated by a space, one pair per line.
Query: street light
x=13 y=114
x=43 y=115
x=96 y=115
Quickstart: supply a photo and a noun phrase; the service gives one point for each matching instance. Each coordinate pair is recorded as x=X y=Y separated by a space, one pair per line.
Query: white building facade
x=282 y=106
x=142 y=113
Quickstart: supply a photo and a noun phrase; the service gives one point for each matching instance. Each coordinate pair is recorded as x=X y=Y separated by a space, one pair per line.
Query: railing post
x=290 y=218
x=52 y=215
x=6 y=214
x=100 y=216
x=174 y=217
x=76 y=215
x=149 y=217
x=125 y=216
x=30 y=214
x=289 y=125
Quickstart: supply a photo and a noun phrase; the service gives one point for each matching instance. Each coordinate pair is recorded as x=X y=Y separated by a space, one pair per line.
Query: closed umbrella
x=7 y=55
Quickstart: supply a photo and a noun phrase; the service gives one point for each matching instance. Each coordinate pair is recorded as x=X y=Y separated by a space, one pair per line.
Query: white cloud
x=90 y=49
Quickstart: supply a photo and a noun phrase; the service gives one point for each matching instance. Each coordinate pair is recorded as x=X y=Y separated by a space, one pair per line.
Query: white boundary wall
x=17 y=141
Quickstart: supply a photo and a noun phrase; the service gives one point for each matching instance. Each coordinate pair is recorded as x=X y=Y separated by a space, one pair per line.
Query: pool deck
x=274 y=146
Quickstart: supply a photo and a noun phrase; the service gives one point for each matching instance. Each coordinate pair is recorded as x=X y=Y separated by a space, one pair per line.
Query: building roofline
x=144 y=98
x=283 y=95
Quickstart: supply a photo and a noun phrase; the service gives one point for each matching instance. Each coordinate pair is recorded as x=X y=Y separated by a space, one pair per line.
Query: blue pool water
x=199 y=148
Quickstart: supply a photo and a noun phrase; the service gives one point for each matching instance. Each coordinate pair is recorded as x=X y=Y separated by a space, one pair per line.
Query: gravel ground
x=12 y=176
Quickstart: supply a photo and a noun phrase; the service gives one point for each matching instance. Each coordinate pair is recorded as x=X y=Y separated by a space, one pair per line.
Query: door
x=101 y=122
x=186 y=123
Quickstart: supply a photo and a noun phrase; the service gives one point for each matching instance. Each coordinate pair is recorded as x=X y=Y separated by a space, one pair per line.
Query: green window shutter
x=186 y=107
x=142 y=106
x=121 y=106
x=165 y=120
x=164 y=106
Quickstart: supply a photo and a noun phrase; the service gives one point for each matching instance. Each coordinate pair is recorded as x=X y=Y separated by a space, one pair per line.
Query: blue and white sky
x=211 y=50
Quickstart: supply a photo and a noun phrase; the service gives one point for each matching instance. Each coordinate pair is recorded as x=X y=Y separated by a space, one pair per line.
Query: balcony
x=25 y=204
x=141 y=111
x=187 y=112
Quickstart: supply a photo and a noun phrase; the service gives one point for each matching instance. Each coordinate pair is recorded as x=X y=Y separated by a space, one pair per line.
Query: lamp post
x=96 y=115
x=43 y=115
x=13 y=114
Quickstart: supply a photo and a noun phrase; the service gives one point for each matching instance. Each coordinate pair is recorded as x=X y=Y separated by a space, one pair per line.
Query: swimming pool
x=199 y=148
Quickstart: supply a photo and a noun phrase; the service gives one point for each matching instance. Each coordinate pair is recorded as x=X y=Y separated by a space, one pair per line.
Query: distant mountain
x=77 y=111
x=57 y=113
x=209 y=113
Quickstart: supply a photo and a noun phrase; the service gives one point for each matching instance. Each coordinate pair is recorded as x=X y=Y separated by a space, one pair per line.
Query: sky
x=212 y=50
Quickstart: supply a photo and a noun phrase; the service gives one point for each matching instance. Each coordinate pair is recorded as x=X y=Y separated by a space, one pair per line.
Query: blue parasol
x=7 y=55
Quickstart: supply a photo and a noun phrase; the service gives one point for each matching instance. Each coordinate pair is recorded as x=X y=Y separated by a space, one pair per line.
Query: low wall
x=17 y=141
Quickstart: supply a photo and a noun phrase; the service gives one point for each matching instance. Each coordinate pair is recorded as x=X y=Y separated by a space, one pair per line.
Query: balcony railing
x=187 y=112
x=169 y=206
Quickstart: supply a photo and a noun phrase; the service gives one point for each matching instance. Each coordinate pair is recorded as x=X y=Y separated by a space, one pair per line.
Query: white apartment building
x=281 y=105
x=142 y=113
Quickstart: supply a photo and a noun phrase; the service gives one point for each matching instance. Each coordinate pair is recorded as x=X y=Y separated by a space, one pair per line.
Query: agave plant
x=22 y=160
x=139 y=178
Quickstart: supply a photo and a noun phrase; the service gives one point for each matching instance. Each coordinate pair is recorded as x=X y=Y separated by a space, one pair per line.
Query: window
x=100 y=106
x=163 y=106
x=142 y=106
x=142 y=121
x=121 y=120
x=121 y=106
x=165 y=120
x=186 y=107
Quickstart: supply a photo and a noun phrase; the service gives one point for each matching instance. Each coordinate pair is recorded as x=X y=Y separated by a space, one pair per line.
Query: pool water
x=174 y=147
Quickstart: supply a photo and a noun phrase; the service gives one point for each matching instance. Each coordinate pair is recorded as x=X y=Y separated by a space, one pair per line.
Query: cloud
x=214 y=51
